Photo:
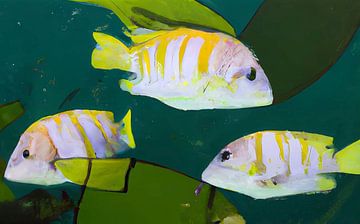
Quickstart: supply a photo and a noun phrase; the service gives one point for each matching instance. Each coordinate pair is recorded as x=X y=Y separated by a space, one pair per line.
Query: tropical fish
x=279 y=163
x=290 y=64
x=76 y=133
x=187 y=69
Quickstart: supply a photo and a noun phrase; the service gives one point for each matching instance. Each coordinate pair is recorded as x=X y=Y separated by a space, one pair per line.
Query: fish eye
x=26 y=153
x=252 y=75
x=225 y=156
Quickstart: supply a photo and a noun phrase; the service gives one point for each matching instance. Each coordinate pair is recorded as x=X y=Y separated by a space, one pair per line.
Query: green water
x=45 y=54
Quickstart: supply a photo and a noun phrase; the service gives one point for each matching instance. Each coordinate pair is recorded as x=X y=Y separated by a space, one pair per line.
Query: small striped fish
x=279 y=163
x=187 y=69
x=77 y=133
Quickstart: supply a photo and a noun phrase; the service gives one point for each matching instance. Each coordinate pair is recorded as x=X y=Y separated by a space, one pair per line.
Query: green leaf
x=9 y=113
x=104 y=174
x=156 y=195
x=298 y=41
x=164 y=15
x=5 y=193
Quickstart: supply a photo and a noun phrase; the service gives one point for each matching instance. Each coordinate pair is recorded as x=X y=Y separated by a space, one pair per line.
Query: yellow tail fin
x=110 y=53
x=348 y=159
x=126 y=132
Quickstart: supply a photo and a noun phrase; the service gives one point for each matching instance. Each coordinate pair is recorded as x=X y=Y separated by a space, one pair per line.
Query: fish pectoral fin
x=142 y=35
x=216 y=82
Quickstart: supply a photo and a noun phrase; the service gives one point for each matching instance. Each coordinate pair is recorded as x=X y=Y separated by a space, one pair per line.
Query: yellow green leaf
x=103 y=174
x=164 y=15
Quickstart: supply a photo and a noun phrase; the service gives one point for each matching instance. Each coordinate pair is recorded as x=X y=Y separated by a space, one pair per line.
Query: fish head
x=31 y=160
x=229 y=168
x=248 y=84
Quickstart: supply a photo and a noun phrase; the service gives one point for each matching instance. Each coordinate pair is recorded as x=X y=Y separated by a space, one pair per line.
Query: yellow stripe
x=147 y=61
x=281 y=146
x=205 y=53
x=57 y=119
x=89 y=148
x=288 y=159
x=98 y=124
x=304 y=153
x=160 y=56
x=140 y=62
x=258 y=149
x=320 y=165
x=182 y=52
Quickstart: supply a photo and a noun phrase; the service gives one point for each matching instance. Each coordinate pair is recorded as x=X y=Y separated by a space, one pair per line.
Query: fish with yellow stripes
x=279 y=163
x=76 y=133
x=187 y=69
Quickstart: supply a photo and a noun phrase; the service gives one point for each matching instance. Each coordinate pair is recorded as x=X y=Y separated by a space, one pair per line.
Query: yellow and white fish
x=77 y=133
x=187 y=69
x=279 y=163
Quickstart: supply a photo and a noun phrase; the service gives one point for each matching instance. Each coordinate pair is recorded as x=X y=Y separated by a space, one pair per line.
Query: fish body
x=187 y=69
x=279 y=163
x=77 y=133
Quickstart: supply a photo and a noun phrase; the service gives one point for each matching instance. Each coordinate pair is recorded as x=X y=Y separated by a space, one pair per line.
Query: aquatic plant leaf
x=224 y=212
x=164 y=15
x=298 y=41
x=104 y=174
x=155 y=195
x=5 y=192
x=10 y=112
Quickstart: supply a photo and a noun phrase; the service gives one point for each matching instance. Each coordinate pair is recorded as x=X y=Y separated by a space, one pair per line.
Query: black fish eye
x=225 y=156
x=252 y=75
x=26 y=153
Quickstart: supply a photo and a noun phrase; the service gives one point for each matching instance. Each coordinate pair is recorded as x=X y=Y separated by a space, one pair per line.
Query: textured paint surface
x=162 y=195
x=49 y=51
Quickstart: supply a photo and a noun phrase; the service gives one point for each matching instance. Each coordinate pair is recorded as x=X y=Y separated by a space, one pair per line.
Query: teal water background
x=45 y=54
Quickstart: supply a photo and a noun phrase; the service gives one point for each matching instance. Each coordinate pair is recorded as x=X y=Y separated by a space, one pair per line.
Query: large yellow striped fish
x=77 y=133
x=279 y=163
x=187 y=69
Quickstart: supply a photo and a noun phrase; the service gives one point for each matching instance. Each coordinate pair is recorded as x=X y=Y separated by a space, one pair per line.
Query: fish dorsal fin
x=320 y=142
x=141 y=35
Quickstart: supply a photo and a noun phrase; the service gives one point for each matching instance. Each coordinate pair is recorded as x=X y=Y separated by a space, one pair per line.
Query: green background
x=45 y=54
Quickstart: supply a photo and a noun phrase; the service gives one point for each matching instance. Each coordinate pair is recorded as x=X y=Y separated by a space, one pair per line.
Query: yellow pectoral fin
x=219 y=82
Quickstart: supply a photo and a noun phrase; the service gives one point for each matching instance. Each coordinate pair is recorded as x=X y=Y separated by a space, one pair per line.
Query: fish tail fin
x=125 y=130
x=110 y=53
x=348 y=159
